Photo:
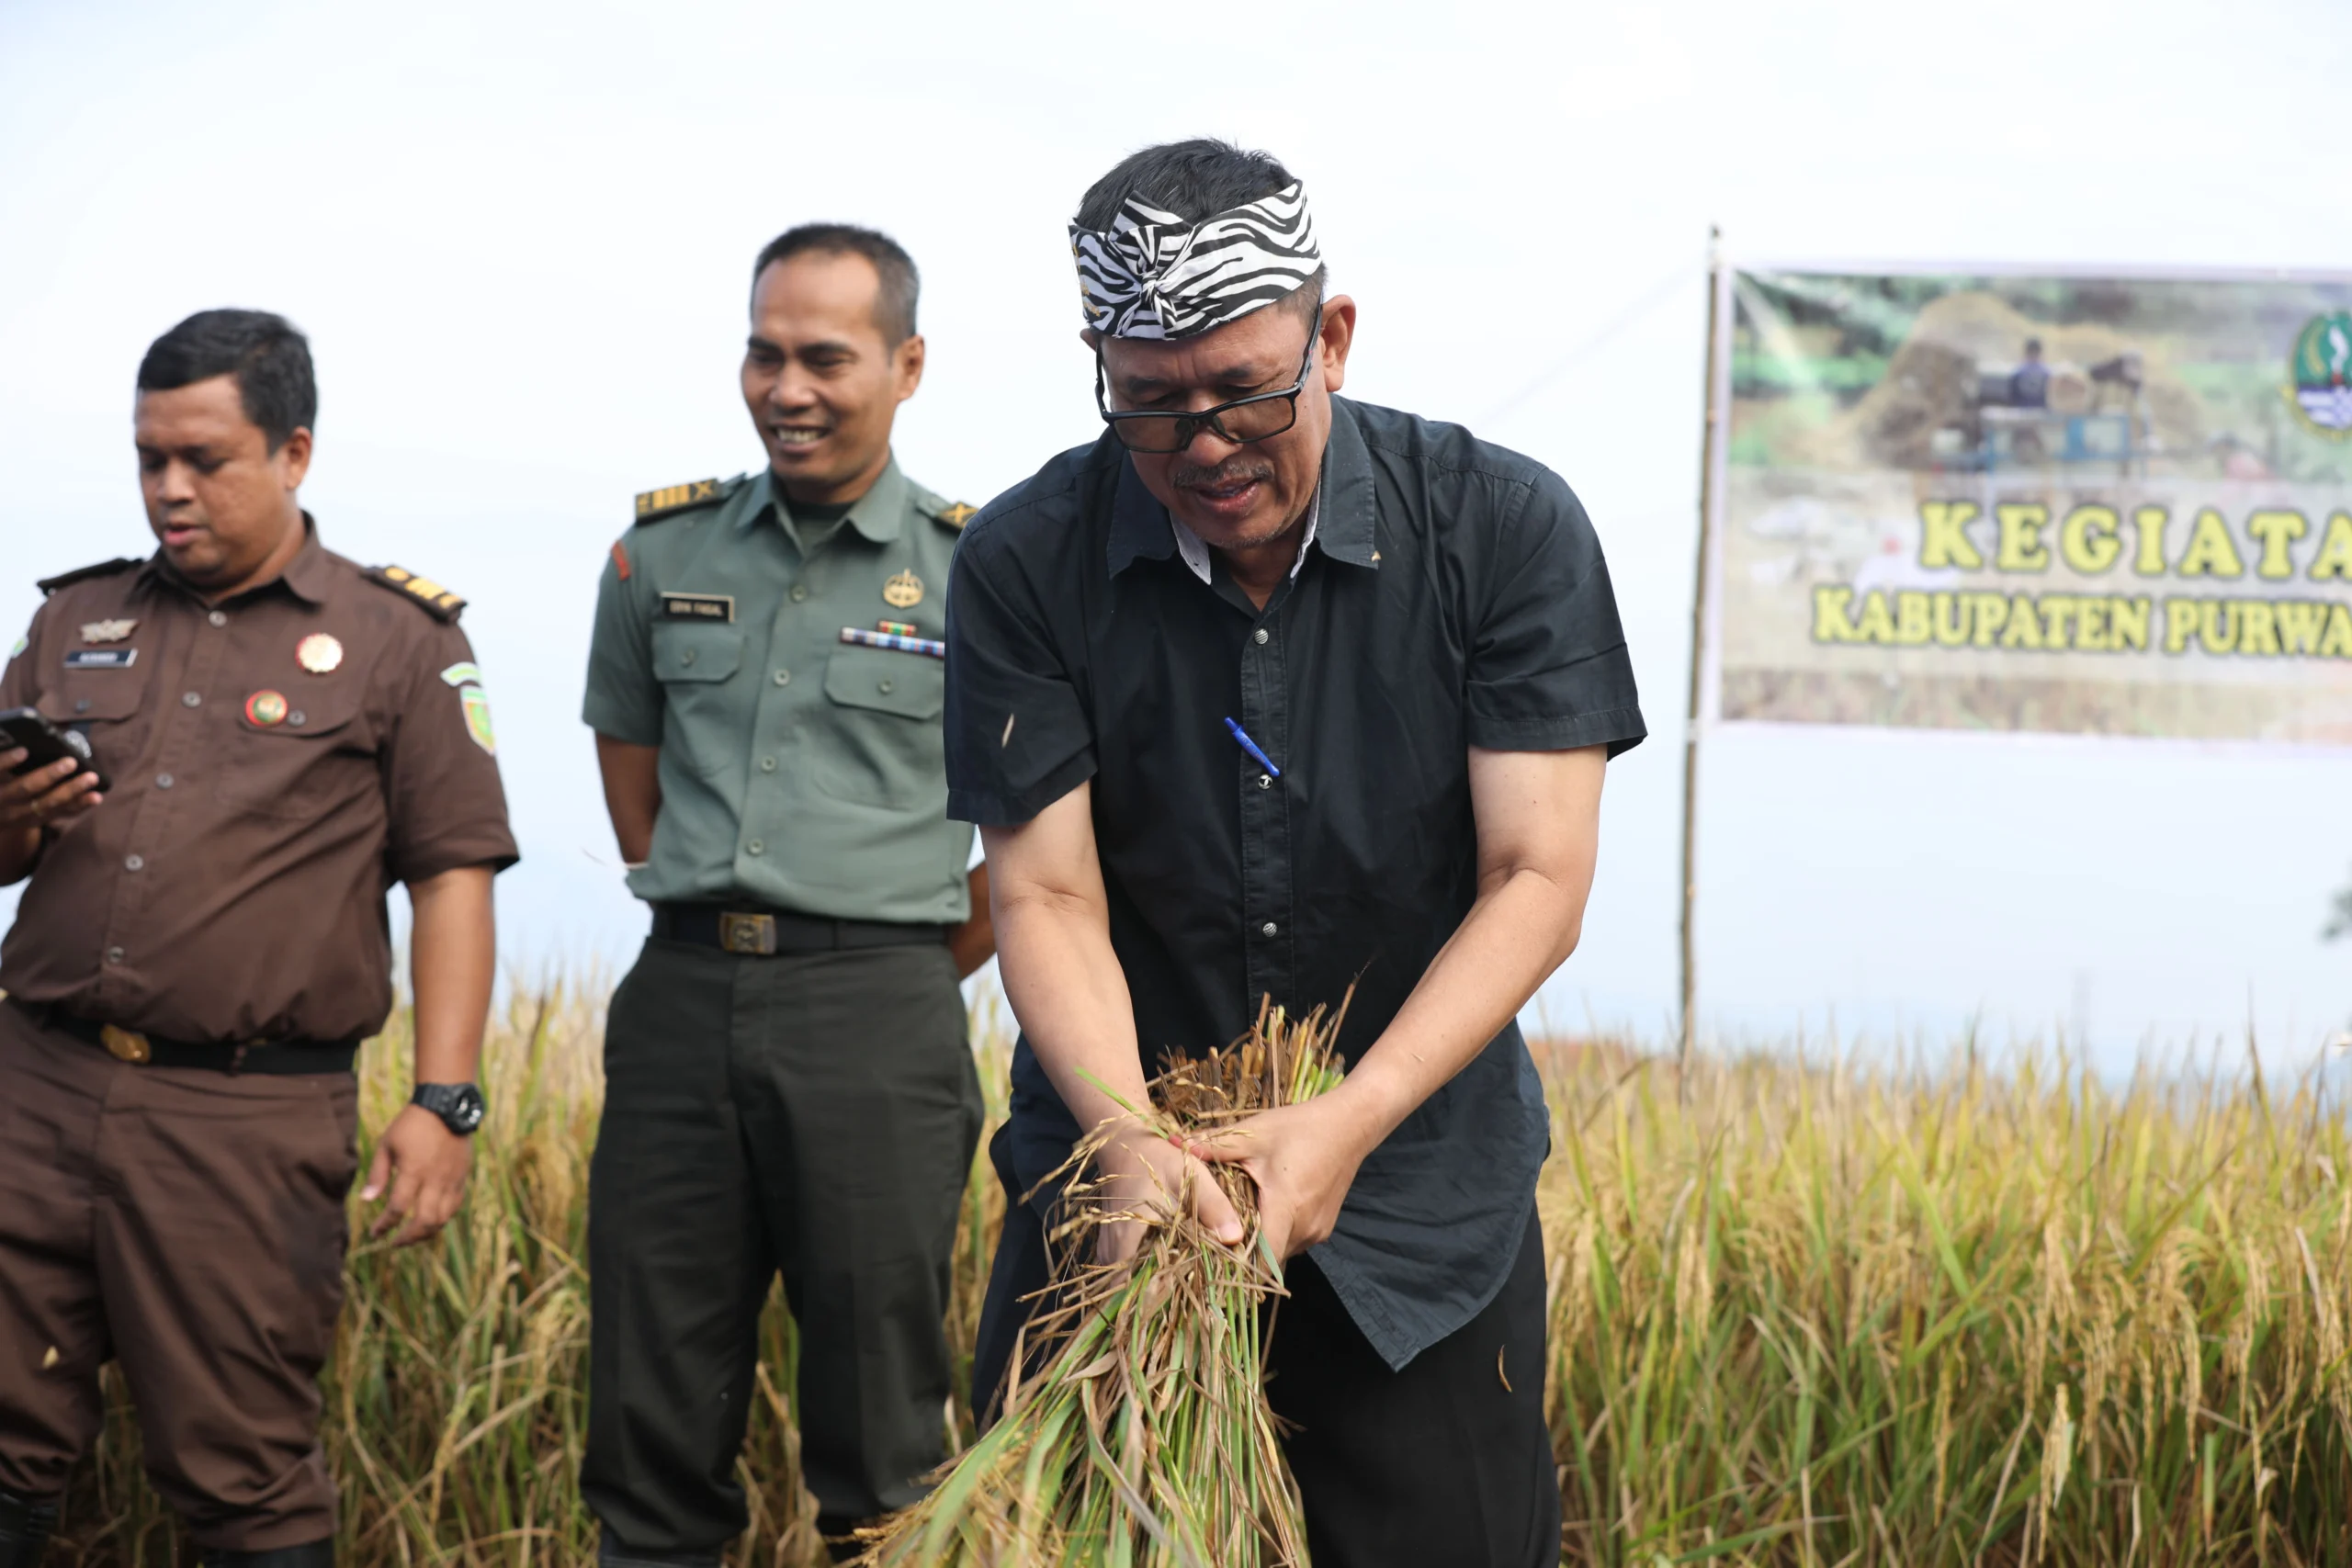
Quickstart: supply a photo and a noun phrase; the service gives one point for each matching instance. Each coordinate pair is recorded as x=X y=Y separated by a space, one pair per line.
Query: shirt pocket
x=696 y=666
x=109 y=708
x=882 y=746
x=315 y=763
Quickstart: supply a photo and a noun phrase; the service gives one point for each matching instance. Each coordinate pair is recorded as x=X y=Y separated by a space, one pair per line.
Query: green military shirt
x=799 y=770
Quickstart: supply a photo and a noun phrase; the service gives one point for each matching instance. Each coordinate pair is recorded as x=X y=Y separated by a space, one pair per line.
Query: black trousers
x=1447 y=1461
x=814 y=1115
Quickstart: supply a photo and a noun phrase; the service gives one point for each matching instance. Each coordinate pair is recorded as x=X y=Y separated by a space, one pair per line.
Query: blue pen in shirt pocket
x=1250 y=746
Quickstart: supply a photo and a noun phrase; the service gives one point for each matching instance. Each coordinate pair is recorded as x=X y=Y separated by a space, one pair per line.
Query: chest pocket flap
x=93 y=696
x=683 y=652
x=912 y=685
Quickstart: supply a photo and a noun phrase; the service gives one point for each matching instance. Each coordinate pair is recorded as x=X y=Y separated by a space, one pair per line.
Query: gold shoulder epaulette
x=422 y=591
x=954 y=515
x=654 y=504
x=49 y=585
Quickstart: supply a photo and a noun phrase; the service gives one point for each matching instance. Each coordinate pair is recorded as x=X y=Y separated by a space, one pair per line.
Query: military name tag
x=698 y=606
x=102 y=659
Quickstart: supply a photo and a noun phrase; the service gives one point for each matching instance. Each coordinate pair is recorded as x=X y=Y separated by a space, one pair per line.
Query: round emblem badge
x=266 y=708
x=318 y=653
x=2321 y=362
x=903 y=592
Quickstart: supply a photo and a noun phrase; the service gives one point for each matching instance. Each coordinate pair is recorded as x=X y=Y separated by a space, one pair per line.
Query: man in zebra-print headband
x=1270 y=694
x=1152 y=275
x=1224 y=295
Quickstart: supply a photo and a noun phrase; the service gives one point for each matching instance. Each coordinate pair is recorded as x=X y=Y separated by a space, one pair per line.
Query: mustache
x=1233 y=471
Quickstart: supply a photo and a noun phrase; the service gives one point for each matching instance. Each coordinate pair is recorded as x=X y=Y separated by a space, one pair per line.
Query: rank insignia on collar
x=661 y=503
x=956 y=515
x=903 y=592
x=106 y=631
x=423 y=591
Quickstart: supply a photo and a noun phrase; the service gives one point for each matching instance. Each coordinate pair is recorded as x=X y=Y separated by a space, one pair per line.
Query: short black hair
x=894 y=303
x=1196 y=178
x=269 y=357
x=2033 y=346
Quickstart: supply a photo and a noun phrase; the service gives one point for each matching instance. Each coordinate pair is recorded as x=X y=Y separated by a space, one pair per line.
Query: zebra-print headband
x=1152 y=275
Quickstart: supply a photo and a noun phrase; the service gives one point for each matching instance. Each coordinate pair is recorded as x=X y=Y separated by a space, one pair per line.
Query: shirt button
x=114 y=955
x=298 y=718
x=885 y=688
x=134 y=862
x=1266 y=929
x=1258 y=637
x=757 y=847
x=163 y=781
x=190 y=699
x=767 y=764
x=1265 y=781
x=687 y=657
x=81 y=704
x=217 y=619
x=784 y=677
x=799 y=592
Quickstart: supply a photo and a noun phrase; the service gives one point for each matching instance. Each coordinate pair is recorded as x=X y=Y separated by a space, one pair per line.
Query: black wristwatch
x=459 y=1105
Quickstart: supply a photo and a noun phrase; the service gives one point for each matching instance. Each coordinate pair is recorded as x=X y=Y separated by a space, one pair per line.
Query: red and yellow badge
x=266 y=708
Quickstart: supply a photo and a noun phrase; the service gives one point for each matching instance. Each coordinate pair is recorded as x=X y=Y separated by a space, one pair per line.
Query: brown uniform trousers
x=204 y=1213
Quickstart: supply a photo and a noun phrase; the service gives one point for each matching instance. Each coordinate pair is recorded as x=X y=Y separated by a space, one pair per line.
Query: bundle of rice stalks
x=1144 y=1438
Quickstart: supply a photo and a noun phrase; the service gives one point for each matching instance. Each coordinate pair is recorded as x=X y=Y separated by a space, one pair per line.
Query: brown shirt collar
x=306 y=576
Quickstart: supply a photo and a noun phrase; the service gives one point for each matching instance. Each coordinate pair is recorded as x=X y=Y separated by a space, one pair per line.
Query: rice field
x=1808 y=1315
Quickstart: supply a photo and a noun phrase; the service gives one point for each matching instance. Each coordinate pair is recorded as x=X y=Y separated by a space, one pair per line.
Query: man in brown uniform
x=201 y=949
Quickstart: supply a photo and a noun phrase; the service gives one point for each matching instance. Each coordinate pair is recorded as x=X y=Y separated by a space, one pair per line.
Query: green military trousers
x=814 y=1115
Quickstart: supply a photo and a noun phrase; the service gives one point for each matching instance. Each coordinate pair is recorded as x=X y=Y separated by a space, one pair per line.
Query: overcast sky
x=518 y=235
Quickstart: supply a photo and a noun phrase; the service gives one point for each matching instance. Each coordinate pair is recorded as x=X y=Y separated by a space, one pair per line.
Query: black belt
x=276 y=1056
x=766 y=933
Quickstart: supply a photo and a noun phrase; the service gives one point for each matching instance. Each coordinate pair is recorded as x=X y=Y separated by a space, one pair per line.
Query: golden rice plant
x=1829 y=1314
x=1803 y=1314
x=1144 y=1437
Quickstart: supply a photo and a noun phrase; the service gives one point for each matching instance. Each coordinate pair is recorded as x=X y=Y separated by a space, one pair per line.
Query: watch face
x=459 y=1106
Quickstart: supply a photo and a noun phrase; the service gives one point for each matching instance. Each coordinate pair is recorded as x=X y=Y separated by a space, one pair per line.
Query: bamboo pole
x=1708 y=444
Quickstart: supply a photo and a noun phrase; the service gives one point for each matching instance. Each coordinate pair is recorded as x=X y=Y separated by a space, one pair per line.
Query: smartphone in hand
x=44 y=743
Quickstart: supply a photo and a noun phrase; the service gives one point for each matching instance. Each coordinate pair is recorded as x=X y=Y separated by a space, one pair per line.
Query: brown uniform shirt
x=230 y=887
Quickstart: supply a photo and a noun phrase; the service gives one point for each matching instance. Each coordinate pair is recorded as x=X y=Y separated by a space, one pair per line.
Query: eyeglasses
x=1239 y=421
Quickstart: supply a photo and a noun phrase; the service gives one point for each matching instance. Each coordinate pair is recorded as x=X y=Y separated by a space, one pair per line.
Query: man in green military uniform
x=788 y=1085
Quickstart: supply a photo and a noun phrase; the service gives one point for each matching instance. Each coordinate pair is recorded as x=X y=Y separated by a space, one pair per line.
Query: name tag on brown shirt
x=102 y=659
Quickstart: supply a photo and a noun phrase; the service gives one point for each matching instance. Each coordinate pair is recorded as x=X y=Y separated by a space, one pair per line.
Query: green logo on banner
x=2323 y=370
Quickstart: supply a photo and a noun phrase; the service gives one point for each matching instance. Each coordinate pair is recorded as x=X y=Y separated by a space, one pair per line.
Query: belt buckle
x=123 y=1044
x=753 y=934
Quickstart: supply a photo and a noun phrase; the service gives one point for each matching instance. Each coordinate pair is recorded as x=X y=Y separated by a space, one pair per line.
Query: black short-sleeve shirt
x=1453 y=596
